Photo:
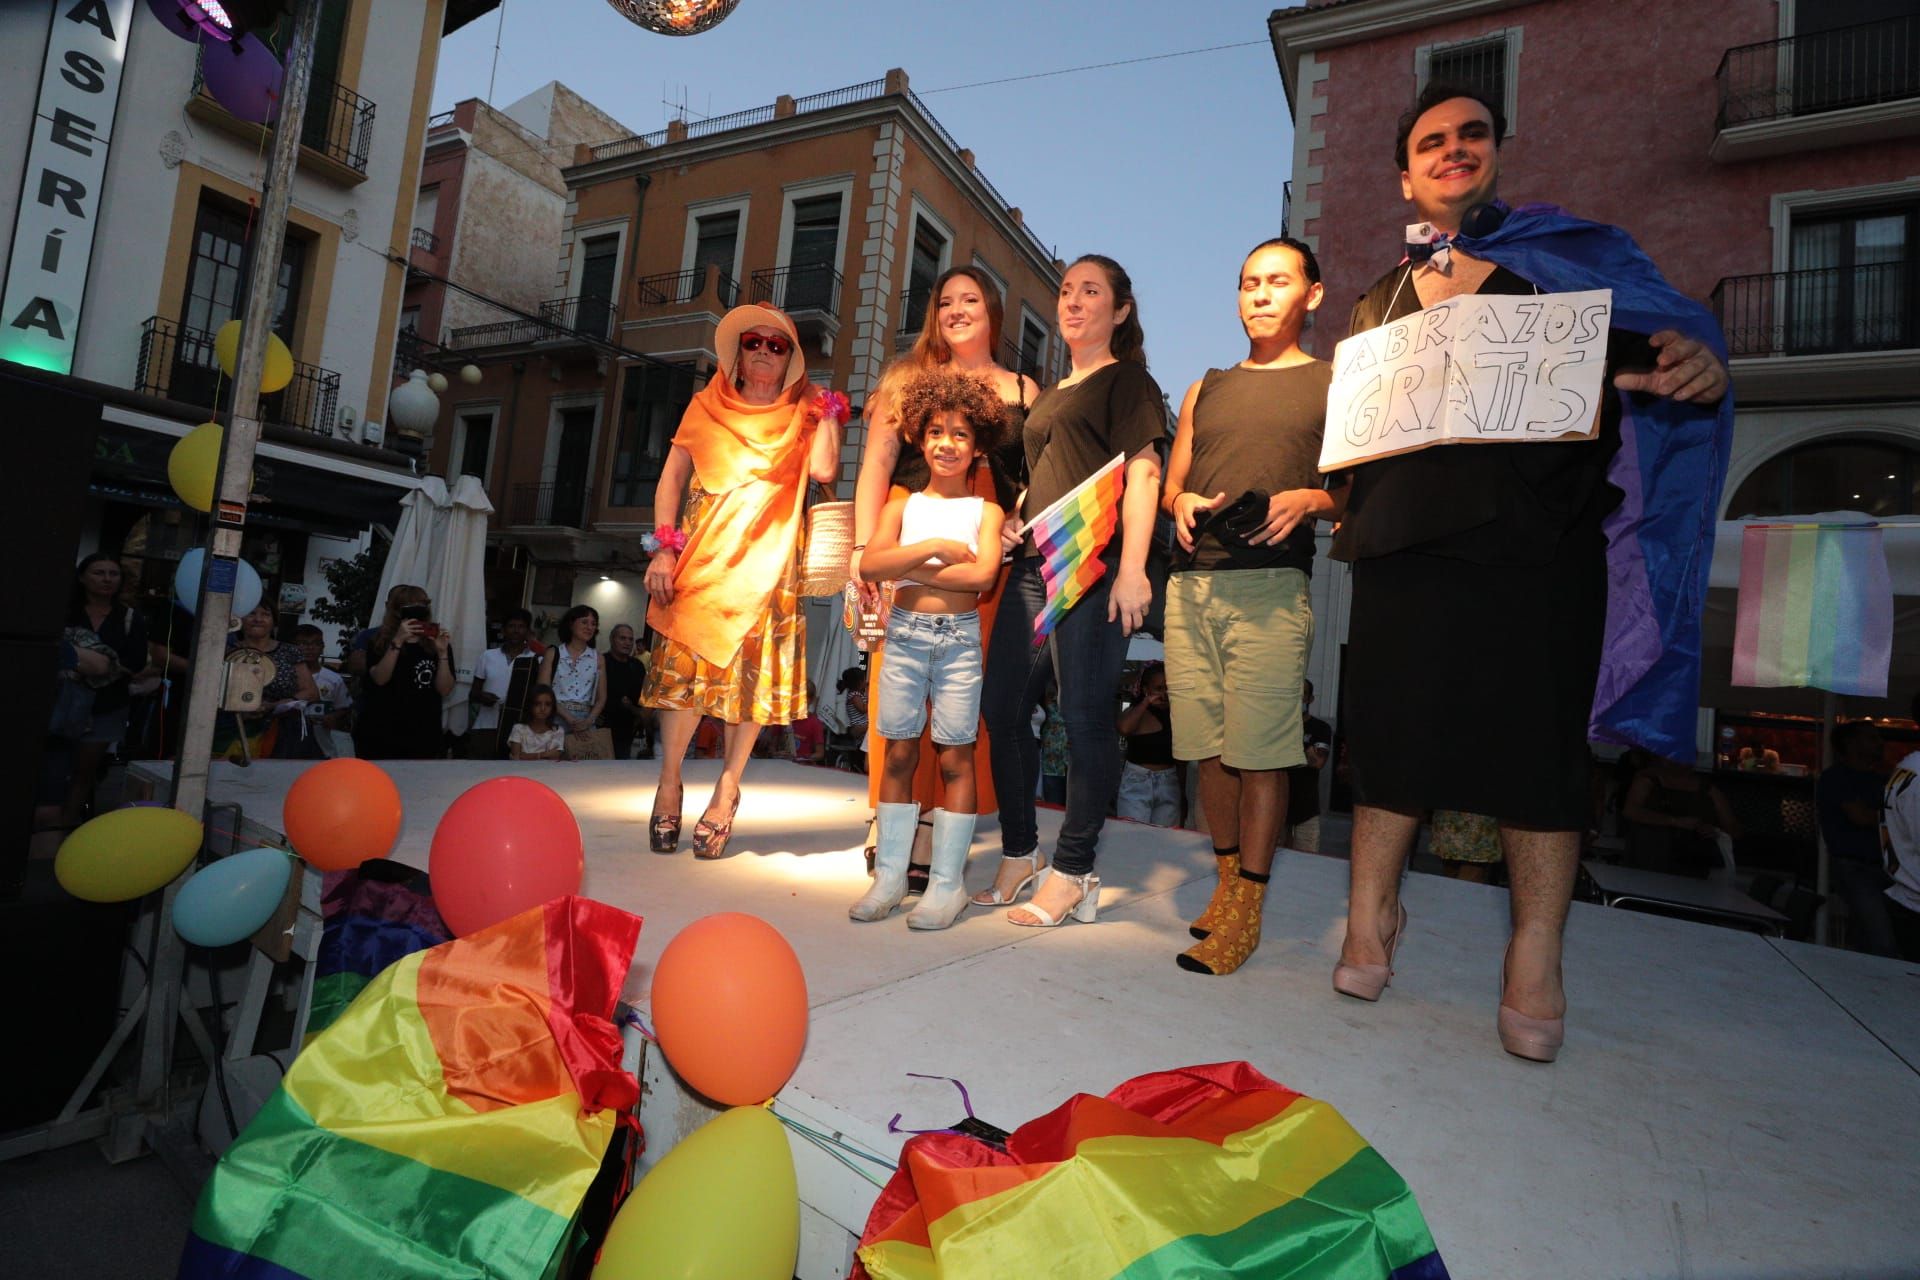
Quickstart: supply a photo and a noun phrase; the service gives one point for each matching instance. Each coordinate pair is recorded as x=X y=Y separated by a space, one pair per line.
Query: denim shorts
x=931 y=657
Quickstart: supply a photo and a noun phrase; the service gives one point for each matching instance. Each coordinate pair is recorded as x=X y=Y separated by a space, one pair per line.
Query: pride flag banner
x=448 y=1123
x=1208 y=1170
x=371 y=916
x=1816 y=608
x=1070 y=534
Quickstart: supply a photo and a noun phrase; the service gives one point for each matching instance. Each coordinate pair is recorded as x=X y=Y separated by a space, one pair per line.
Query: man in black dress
x=1480 y=584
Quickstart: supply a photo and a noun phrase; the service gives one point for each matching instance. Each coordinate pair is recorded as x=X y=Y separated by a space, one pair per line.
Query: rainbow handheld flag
x=1816 y=608
x=1209 y=1170
x=1070 y=534
x=448 y=1123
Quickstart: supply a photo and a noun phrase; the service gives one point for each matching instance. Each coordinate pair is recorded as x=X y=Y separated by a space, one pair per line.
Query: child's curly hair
x=948 y=391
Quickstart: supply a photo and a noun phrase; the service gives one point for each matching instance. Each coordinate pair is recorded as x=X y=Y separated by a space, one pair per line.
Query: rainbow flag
x=1070 y=534
x=371 y=916
x=1209 y=1170
x=448 y=1123
x=1816 y=608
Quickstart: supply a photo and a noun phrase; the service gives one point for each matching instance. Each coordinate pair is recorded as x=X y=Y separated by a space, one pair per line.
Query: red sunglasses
x=775 y=346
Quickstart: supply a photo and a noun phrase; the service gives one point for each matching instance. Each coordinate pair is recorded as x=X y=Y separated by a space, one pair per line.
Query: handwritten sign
x=1477 y=369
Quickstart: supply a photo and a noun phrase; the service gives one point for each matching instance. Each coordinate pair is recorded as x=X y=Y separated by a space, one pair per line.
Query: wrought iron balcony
x=560 y=503
x=424 y=239
x=177 y=362
x=1032 y=362
x=675 y=288
x=913 y=311
x=560 y=319
x=338 y=123
x=584 y=314
x=1825 y=311
x=813 y=287
x=1824 y=71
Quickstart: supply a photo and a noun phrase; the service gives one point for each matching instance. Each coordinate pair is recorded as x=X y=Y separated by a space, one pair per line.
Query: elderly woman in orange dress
x=730 y=516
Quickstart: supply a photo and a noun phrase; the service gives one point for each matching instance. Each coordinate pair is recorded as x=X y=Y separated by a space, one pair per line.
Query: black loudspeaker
x=51 y=428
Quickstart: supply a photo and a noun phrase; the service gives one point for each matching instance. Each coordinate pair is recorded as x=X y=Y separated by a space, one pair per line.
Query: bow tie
x=1426 y=243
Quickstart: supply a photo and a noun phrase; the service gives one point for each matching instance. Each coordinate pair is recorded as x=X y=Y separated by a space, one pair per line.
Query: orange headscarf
x=753 y=459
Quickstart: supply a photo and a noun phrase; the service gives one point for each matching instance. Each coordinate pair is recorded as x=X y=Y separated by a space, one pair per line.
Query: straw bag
x=823 y=567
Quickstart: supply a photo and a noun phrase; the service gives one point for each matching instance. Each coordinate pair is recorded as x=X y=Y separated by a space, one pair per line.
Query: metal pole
x=1823 y=859
x=235 y=481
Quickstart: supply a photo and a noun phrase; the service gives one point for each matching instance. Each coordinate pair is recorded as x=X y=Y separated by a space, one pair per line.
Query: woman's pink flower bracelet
x=665 y=538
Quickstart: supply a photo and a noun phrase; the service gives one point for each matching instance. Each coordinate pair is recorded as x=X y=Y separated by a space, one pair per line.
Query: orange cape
x=753 y=460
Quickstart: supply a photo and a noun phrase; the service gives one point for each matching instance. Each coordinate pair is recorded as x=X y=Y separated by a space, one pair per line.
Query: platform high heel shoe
x=1367 y=981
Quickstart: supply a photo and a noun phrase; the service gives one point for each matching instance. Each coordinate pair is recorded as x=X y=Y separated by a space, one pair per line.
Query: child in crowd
x=808 y=734
x=942 y=545
x=538 y=737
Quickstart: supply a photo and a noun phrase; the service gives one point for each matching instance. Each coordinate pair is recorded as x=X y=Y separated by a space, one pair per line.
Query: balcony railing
x=586 y=317
x=178 y=363
x=1286 y=208
x=338 y=122
x=1032 y=363
x=1824 y=71
x=424 y=239
x=913 y=312
x=797 y=289
x=586 y=314
x=560 y=503
x=676 y=287
x=1824 y=311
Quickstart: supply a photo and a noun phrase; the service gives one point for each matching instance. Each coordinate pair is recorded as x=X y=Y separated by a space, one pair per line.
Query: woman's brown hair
x=930 y=349
x=1129 y=339
x=403 y=596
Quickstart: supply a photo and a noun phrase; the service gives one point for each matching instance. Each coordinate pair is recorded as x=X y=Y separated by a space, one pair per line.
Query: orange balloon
x=341 y=812
x=730 y=1008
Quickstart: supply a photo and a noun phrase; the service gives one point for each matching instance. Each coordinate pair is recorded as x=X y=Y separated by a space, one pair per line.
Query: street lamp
x=674 y=17
x=222 y=20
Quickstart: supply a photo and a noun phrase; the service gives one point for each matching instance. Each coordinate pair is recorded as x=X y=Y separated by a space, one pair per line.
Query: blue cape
x=1671 y=465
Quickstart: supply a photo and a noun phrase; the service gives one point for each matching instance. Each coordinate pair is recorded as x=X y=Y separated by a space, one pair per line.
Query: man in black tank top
x=1243 y=488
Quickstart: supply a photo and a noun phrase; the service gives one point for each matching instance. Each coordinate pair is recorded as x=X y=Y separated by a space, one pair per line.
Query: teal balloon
x=247 y=589
x=229 y=900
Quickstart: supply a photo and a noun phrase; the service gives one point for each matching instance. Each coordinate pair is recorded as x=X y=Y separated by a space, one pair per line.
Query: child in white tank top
x=941 y=549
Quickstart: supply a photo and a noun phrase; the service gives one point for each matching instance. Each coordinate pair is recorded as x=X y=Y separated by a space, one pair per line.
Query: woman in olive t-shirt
x=1109 y=405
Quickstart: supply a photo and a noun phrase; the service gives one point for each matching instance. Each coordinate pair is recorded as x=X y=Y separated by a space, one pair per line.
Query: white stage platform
x=1726 y=1105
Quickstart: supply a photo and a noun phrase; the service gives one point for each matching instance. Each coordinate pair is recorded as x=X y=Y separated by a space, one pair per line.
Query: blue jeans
x=931 y=657
x=1086 y=653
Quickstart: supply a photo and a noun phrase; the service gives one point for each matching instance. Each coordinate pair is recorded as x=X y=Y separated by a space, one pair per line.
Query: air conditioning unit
x=372 y=432
x=349 y=423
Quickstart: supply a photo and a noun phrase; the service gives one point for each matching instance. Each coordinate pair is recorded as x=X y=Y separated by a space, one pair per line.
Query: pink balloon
x=504 y=846
x=246 y=82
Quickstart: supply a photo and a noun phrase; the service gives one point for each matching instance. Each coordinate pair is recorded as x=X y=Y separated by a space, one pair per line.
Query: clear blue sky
x=1173 y=167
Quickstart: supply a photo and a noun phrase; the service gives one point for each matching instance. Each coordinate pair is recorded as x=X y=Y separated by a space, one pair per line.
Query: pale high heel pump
x=1367 y=981
x=1085 y=910
x=990 y=896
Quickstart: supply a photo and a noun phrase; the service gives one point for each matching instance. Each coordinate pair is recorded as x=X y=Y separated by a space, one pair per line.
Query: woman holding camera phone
x=409 y=672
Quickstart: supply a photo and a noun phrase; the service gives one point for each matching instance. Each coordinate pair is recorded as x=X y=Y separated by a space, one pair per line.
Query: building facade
x=1768 y=160
x=841 y=208
x=168 y=216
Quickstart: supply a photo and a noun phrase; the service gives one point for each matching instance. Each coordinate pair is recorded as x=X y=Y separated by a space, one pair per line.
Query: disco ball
x=675 y=17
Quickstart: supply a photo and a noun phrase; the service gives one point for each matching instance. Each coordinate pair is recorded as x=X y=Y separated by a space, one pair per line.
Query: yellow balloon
x=724 y=1202
x=279 y=367
x=194 y=465
x=126 y=854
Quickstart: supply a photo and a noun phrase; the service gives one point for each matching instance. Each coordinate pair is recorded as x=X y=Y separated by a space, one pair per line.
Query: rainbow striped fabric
x=448 y=1123
x=1816 y=608
x=1208 y=1170
x=373 y=915
x=1070 y=535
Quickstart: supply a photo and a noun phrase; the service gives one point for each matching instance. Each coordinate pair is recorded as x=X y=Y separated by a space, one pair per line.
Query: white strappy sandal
x=1084 y=910
x=990 y=896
